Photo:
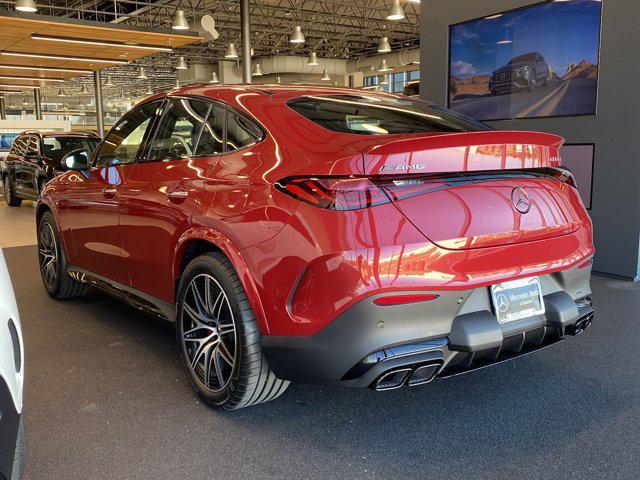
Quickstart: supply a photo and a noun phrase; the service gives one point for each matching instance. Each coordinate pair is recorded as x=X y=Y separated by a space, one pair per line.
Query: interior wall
x=616 y=184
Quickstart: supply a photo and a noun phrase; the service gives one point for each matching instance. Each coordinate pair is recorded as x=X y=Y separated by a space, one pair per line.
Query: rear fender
x=226 y=246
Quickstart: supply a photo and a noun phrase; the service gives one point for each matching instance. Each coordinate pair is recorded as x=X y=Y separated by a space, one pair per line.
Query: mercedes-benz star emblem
x=520 y=200
x=503 y=303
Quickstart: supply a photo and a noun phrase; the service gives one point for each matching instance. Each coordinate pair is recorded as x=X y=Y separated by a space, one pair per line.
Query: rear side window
x=241 y=132
x=378 y=115
x=57 y=147
x=179 y=129
x=19 y=146
x=211 y=142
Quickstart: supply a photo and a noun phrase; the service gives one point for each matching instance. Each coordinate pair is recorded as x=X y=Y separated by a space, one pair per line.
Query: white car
x=11 y=381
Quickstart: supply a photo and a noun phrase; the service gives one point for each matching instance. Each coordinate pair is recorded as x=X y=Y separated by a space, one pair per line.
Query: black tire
x=52 y=261
x=10 y=193
x=250 y=380
x=19 y=454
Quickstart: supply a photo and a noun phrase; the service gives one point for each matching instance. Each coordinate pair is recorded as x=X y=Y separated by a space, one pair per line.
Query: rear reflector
x=403 y=299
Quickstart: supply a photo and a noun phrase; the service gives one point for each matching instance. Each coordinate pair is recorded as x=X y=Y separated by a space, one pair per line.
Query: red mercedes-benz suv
x=323 y=234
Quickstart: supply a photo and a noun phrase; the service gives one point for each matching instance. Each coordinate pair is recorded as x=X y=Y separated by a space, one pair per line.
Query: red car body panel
x=301 y=265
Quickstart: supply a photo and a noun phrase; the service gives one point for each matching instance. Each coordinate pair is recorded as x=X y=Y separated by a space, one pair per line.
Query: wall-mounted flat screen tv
x=537 y=61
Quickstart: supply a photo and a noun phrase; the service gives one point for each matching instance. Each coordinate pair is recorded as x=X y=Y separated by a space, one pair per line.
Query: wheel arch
x=199 y=240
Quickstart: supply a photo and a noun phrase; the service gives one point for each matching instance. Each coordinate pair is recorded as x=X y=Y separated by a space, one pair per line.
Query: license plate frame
x=517 y=299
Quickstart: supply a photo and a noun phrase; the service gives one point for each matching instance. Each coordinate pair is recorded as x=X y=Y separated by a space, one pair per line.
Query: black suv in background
x=35 y=158
x=524 y=72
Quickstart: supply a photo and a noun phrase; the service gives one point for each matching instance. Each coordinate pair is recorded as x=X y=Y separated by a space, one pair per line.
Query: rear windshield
x=57 y=147
x=378 y=115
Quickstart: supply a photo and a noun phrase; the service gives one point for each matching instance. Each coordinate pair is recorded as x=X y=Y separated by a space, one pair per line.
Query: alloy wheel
x=48 y=255
x=208 y=332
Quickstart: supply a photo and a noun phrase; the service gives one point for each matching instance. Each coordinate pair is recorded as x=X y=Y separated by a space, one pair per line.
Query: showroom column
x=37 y=95
x=245 y=23
x=97 y=85
x=3 y=109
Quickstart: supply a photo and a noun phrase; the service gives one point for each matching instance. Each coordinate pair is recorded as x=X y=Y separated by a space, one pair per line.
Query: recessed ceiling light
x=65 y=57
x=105 y=43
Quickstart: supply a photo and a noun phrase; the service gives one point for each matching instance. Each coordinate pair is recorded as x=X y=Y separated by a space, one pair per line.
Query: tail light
x=355 y=192
x=335 y=193
x=563 y=174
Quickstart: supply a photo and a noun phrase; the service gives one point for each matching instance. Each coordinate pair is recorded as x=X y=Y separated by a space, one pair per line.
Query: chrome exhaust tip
x=392 y=379
x=424 y=374
x=581 y=324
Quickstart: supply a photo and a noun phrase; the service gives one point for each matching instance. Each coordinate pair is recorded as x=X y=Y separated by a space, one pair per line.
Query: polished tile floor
x=17 y=224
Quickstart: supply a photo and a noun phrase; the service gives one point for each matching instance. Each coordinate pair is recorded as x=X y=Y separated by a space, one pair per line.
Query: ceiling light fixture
x=141 y=74
x=105 y=43
x=313 y=59
x=46 y=69
x=232 y=53
x=109 y=82
x=19 y=87
x=396 y=13
x=26 y=6
x=177 y=84
x=214 y=78
x=84 y=90
x=325 y=76
x=383 y=66
x=384 y=80
x=61 y=93
x=257 y=70
x=65 y=57
x=180 y=21
x=43 y=79
x=384 y=46
x=297 y=36
x=182 y=64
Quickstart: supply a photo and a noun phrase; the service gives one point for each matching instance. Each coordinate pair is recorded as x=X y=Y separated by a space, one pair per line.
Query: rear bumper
x=9 y=424
x=454 y=333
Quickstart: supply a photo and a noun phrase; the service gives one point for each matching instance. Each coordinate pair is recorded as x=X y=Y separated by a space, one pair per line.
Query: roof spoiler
x=468 y=139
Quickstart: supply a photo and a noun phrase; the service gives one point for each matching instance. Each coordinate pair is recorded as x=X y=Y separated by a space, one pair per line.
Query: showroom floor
x=106 y=398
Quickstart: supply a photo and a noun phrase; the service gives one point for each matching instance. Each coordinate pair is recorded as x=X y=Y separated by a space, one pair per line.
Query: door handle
x=177 y=196
x=109 y=192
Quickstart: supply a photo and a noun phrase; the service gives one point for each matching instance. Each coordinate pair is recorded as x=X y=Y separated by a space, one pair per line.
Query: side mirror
x=76 y=160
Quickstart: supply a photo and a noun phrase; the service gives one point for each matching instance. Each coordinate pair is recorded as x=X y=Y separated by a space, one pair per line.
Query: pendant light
x=384 y=46
x=257 y=70
x=297 y=36
x=325 y=76
x=149 y=90
x=177 y=84
x=396 y=13
x=141 y=74
x=109 y=82
x=278 y=80
x=84 y=91
x=384 y=80
x=214 y=78
x=383 y=66
x=25 y=102
x=26 y=6
x=313 y=59
x=61 y=93
x=180 y=21
x=182 y=64
x=232 y=53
